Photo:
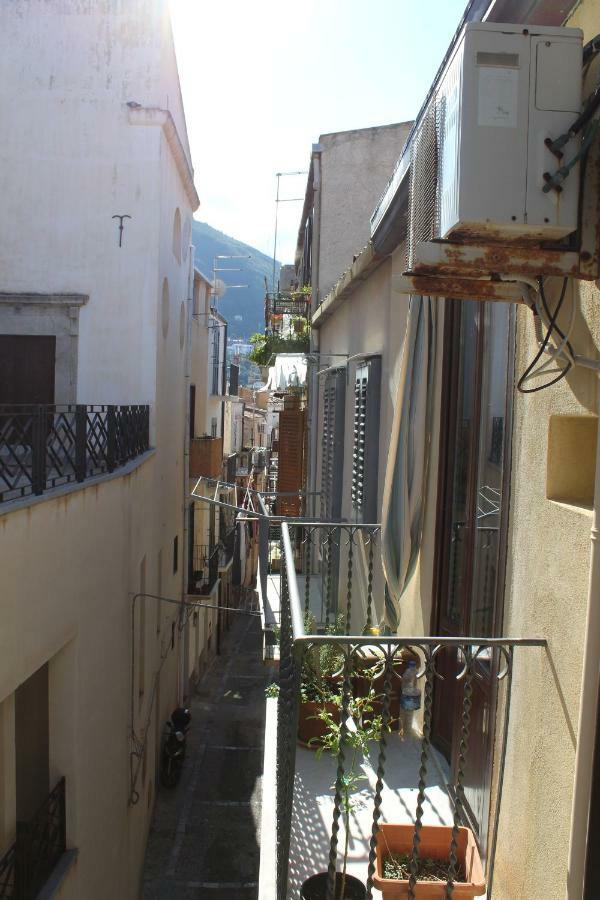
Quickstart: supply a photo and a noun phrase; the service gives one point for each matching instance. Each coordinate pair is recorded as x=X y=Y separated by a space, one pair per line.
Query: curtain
x=405 y=485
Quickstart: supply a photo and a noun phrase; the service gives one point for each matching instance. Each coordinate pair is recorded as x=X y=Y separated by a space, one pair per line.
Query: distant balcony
x=40 y=843
x=44 y=447
x=204 y=569
x=293 y=303
x=206 y=457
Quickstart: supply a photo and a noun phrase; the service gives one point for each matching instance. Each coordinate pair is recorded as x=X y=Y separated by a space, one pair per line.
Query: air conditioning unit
x=482 y=200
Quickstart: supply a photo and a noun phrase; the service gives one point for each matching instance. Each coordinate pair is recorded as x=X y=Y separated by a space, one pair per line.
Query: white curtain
x=406 y=472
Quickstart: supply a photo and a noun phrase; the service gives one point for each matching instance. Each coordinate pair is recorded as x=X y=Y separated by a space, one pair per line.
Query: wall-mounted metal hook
x=121 y=226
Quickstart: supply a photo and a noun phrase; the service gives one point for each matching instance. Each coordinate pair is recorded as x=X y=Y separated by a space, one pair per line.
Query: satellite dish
x=219 y=287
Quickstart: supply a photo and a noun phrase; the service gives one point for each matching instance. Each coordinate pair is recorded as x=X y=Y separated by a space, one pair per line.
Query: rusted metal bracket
x=459 y=288
x=442 y=259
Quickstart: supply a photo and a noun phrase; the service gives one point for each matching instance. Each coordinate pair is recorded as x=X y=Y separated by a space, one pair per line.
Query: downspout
x=313 y=382
x=580 y=843
x=187 y=365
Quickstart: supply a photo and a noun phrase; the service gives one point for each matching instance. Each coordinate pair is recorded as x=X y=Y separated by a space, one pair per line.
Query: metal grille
x=40 y=843
x=43 y=447
x=423 y=213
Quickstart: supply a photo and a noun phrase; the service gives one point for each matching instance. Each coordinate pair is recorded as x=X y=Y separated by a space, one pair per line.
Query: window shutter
x=332 y=448
x=365 y=455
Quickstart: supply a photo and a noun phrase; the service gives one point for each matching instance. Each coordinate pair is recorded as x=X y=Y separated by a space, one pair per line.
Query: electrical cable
x=529 y=373
x=559 y=350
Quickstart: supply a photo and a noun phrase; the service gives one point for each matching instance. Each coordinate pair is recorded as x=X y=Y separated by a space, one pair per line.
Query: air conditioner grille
x=423 y=194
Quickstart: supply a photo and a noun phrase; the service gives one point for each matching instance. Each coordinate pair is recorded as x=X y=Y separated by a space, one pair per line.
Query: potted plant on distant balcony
x=363 y=726
x=393 y=861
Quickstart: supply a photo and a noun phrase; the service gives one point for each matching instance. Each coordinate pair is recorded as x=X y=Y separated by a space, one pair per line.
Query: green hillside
x=242 y=307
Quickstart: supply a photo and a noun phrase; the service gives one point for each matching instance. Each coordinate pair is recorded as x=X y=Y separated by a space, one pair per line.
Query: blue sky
x=262 y=80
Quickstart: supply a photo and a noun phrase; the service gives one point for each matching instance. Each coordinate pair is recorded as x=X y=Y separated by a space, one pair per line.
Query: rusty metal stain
x=465 y=288
x=496 y=260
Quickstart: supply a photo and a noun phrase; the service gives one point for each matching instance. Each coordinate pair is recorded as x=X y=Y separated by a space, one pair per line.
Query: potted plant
x=319 y=685
x=394 y=854
x=363 y=726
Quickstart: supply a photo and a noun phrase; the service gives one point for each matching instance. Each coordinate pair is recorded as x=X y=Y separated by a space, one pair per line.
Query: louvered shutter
x=332 y=448
x=365 y=453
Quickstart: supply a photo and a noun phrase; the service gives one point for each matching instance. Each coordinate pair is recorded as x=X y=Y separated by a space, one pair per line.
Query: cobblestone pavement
x=204 y=840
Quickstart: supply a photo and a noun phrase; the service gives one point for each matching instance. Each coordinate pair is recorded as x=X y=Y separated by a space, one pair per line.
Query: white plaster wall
x=355 y=168
x=70 y=160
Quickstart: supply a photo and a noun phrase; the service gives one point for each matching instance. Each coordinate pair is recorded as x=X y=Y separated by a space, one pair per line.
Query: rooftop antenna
x=279 y=200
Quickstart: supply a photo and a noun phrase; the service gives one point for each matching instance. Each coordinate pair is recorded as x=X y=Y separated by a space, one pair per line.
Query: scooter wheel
x=169 y=773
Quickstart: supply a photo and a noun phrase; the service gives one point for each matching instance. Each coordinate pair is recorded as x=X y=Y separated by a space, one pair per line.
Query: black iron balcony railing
x=205 y=568
x=322 y=608
x=43 y=447
x=294 y=303
x=40 y=843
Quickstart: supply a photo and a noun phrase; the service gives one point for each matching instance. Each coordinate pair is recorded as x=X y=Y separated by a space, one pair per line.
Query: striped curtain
x=406 y=472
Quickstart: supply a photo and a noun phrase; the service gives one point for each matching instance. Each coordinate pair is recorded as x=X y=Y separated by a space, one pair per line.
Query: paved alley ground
x=204 y=841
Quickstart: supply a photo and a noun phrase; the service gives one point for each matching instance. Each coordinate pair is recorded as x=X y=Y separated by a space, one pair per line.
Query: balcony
x=365 y=759
x=29 y=862
x=204 y=569
x=206 y=457
x=44 y=447
x=293 y=303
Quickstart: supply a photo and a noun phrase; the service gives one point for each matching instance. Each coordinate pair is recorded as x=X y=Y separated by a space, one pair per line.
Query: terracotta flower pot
x=435 y=842
x=315 y=888
x=310 y=727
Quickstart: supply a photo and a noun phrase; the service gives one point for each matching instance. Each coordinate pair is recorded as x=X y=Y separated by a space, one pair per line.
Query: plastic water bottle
x=409 y=701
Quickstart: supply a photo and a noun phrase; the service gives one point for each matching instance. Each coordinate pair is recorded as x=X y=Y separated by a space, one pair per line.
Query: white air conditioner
x=479 y=167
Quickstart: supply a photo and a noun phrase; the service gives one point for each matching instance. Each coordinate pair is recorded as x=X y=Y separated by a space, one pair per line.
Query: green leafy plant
x=264 y=346
x=358 y=731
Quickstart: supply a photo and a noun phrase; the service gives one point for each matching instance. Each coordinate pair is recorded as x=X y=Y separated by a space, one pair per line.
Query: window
x=332 y=446
x=175 y=553
x=213 y=427
x=365 y=453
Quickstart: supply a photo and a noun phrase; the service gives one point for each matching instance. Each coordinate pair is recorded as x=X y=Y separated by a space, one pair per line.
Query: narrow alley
x=204 y=840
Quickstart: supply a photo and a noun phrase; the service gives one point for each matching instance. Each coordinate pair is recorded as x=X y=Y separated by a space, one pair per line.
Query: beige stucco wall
x=355 y=168
x=546 y=596
x=70 y=568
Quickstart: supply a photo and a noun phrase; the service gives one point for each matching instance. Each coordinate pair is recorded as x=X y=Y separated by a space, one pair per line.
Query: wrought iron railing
x=43 y=447
x=205 y=568
x=325 y=557
x=40 y=843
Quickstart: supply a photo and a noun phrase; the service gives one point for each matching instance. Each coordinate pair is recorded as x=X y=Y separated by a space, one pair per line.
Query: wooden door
x=472 y=516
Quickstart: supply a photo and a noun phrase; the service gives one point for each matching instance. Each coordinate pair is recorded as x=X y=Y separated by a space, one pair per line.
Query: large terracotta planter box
x=206 y=457
x=435 y=842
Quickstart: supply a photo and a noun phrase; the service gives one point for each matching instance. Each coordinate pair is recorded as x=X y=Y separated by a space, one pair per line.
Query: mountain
x=242 y=307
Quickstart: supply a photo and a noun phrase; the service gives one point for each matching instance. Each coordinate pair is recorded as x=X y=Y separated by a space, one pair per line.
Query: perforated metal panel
x=423 y=195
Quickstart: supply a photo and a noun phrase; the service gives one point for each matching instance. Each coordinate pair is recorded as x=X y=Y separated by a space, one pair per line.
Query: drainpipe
x=187 y=363
x=588 y=709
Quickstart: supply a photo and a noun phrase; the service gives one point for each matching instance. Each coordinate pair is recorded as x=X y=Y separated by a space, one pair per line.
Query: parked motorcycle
x=173 y=752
